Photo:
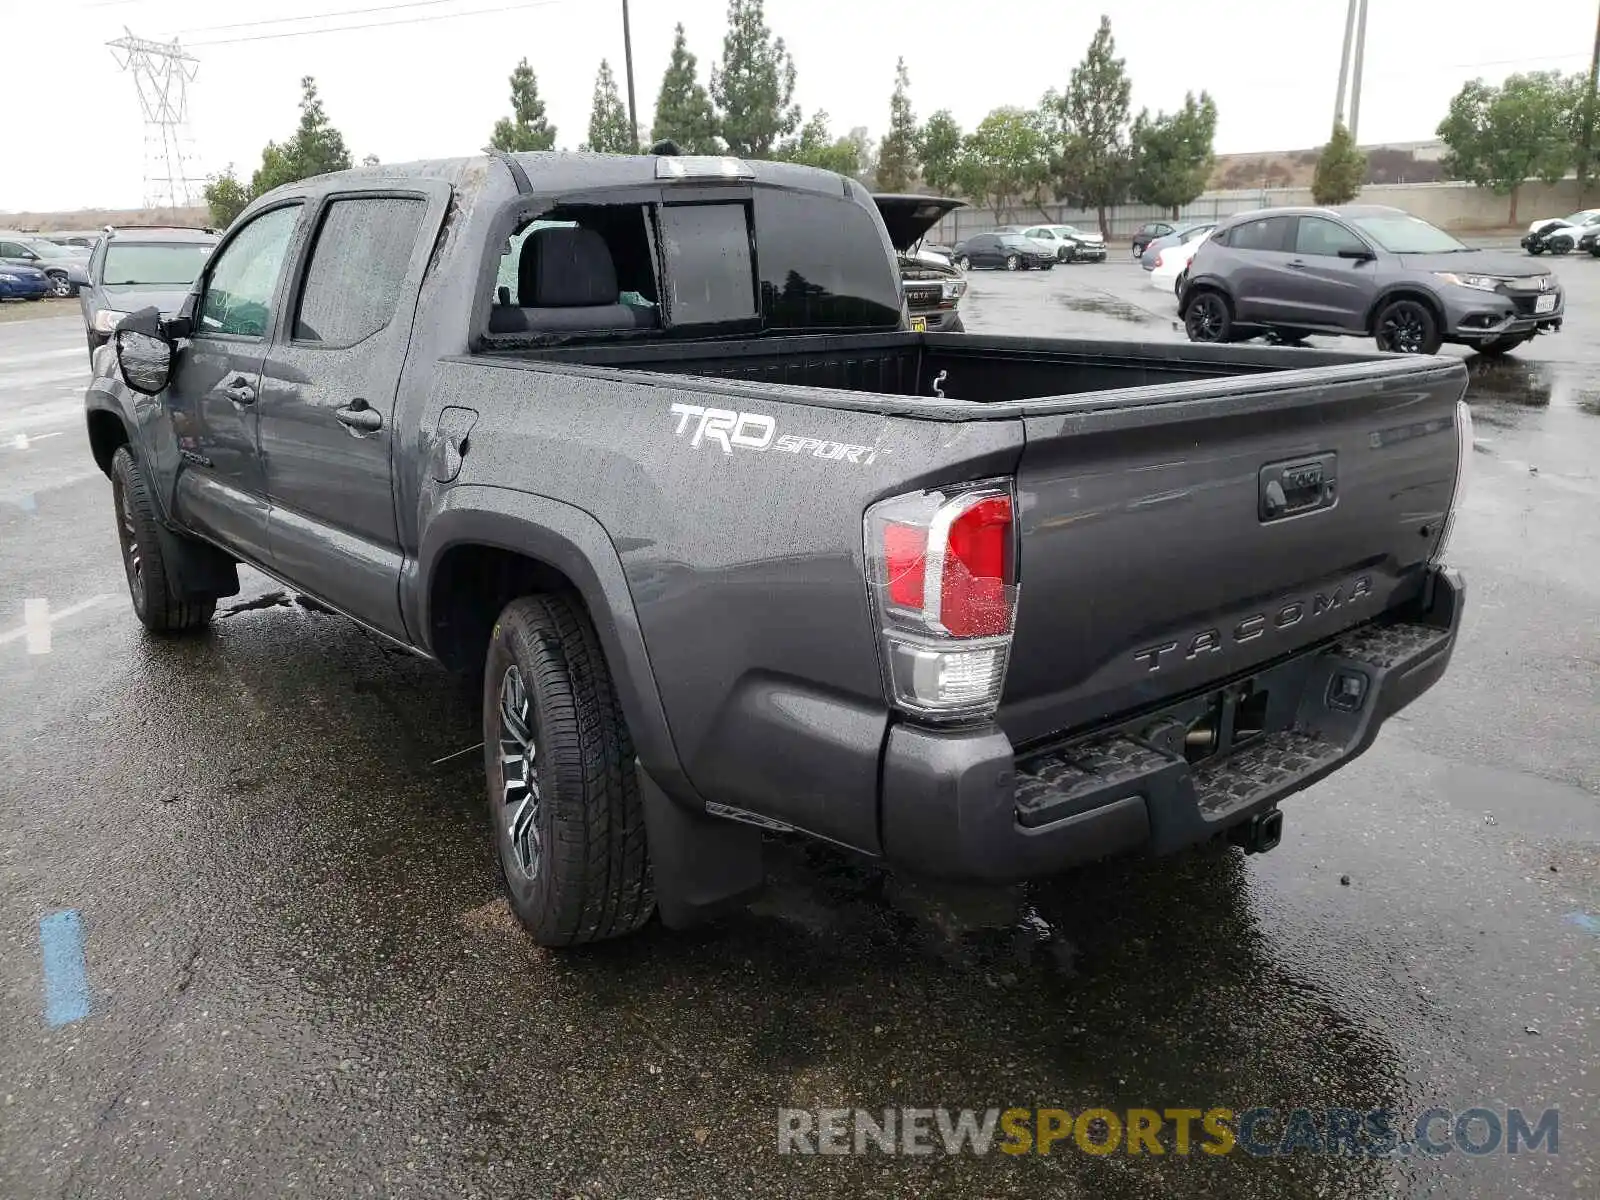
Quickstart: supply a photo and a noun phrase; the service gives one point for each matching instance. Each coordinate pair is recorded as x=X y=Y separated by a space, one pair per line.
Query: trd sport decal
x=729 y=430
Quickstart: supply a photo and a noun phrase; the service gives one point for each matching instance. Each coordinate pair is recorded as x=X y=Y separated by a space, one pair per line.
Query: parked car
x=1067 y=243
x=20 y=282
x=1559 y=235
x=1184 y=233
x=84 y=239
x=1010 y=251
x=1171 y=269
x=1363 y=271
x=66 y=268
x=717 y=582
x=133 y=269
x=1590 y=240
x=1149 y=232
x=933 y=287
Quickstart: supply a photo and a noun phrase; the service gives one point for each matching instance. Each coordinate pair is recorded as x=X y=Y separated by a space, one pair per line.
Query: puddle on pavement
x=1109 y=306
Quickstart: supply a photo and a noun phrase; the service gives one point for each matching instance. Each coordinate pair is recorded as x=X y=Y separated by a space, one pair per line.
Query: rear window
x=153 y=264
x=824 y=264
x=710 y=279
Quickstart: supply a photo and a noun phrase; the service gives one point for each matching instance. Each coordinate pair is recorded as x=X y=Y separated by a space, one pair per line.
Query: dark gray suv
x=1363 y=271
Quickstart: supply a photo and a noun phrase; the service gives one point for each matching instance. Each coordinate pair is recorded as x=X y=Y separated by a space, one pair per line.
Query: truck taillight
x=1458 y=492
x=942 y=570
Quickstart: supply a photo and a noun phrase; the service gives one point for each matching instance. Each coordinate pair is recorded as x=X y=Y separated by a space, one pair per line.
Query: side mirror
x=1362 y=255
x=144 y=355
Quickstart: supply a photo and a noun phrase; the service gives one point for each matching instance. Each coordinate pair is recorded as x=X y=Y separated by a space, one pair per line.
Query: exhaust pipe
x=1260 y=833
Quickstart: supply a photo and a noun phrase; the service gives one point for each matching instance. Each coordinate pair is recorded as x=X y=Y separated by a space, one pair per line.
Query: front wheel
x=1012 y=262
x=563 y=796
x=158 y=607
x=1207 y=319
x=1496 y=347
x=1407 y=327
x=1536 y=249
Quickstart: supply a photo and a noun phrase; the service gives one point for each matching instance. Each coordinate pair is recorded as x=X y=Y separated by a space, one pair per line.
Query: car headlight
x=1481 y=283
x=952 y=289
x=105 y=321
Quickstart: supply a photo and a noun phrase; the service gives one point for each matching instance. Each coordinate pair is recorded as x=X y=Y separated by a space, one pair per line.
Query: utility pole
x=627 y=54
x=1344 y=61
x=1355 y=75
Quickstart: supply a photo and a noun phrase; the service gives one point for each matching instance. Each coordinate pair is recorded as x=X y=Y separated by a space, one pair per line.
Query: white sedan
x=1172 y=265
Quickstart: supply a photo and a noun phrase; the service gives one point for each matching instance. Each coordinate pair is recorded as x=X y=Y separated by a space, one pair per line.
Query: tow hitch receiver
x=1260 y=833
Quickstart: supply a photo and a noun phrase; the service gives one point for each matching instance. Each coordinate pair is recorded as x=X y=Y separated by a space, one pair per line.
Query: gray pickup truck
x=646 y=444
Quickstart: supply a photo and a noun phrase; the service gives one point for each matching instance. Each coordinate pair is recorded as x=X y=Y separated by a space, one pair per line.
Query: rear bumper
x=964 y=805
x=26 y=289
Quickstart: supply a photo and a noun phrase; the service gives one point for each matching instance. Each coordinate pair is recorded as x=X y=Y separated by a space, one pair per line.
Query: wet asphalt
x=302 y=978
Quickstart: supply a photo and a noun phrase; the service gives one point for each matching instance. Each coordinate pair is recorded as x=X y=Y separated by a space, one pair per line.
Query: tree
x=1172 y=155
x=315 y=149
x=683 y=109
x=816 y=147
x=226 y=197
x=1090 y=160
x=939 y=149
x=1341 y=170
x=1499 y=137
x=866 y=154
x=608 y=119
x=1584 y=108
x=1004 y=159
x=370 y=160
x=897 y=155
x=526 y=127
x=754 y=86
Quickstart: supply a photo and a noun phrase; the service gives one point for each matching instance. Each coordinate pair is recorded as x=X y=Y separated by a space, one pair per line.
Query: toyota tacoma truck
x=647 y=445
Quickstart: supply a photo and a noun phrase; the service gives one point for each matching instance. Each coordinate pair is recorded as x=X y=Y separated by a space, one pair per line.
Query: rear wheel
x=963 y=262
x=60 y=285
x=158 y=608
x=563 y=795
x=1012 y=262
x=1178 y=284
x=1407 y=327
x=1561 y=245
x=1206 y=318
x=1065 y=254
x=1496 y=347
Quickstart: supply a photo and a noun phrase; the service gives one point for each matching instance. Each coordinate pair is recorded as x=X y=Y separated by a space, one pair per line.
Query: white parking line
x=22 y=441
x=38 y=620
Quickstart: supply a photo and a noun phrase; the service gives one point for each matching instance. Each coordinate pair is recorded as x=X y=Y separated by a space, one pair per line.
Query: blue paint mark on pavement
x=66 y=987
x=1584 y=921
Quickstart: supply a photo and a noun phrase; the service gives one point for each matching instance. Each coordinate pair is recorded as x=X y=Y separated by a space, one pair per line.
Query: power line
x=328 y=16
x=293 y=33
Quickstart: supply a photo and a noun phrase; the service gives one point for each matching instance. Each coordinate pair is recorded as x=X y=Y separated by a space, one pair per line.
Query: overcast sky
x=433 y=87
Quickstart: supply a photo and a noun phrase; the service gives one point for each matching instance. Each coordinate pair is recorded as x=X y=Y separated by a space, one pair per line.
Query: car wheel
x=1206 y=318
x=1407 y=327
x=1065 y=254
x=158 y=608
x=563 y=797
x=1012 y=262
x=1536 y=249
x=963 y=262
x=1594 y=250
x=1496 y=347
x=60 y=285
x=1561 y=245
x=1177 y=284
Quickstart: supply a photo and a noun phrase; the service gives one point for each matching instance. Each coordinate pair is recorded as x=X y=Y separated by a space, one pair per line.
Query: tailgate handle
x=1297 y=486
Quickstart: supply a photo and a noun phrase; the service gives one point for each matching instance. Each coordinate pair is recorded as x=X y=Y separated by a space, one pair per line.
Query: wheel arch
x=107 y=433
x=1209 y=283
x=485 y=546
x=1405 y=291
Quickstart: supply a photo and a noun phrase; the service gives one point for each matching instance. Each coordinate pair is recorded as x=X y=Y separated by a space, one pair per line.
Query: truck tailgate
x=1172 y=537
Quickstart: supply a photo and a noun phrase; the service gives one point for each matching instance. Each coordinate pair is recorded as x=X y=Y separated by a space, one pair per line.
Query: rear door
x=1152 y=563
x=1327 y=289
x=1260 y=262
x=327 y=399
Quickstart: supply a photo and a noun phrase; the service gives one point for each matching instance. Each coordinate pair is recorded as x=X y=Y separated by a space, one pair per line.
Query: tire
x=1177 y=284
x=158 y=608
x=1561 y=245
x=1500 y=346
x=60 y=286
x=963 y=262
x=1013 y=262
x=1407 y=326
x=1206 y=318
x=1065 y=255
x=1536 y=249
x=572 y=846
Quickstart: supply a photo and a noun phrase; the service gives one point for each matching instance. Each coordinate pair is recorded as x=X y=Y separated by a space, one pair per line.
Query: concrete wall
x=1459 y=206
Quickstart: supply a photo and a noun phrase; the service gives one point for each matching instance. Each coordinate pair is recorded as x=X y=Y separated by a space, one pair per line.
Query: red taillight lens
x=1158 y=259
x=973 y=600
x=905 y=555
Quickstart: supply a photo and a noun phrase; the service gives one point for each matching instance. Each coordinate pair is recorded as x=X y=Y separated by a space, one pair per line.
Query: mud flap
x=704 y=867
x=196 y=570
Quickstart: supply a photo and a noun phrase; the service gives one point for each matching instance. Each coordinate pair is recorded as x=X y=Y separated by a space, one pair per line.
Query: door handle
x=240 y=391
x=359 y=418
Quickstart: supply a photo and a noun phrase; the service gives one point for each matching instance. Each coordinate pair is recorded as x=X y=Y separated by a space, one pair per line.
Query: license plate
x=1545 y=303
x=919 y=324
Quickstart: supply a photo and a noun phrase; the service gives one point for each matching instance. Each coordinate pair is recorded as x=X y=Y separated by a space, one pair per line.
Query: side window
x=823 y=263
x=13 y=250
x=1268 y=234
x=243 y=278
x=709 y=277
x=358 y=268
x=1320 y=236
